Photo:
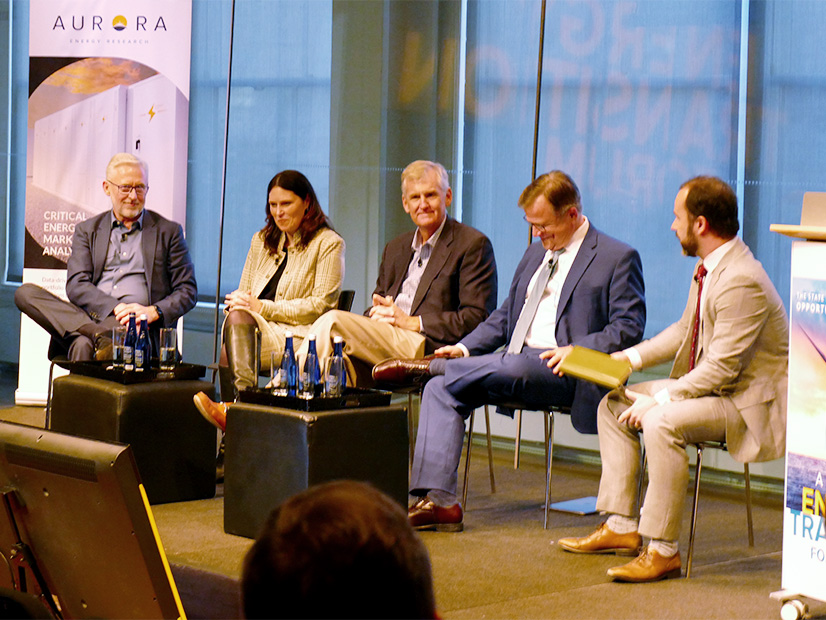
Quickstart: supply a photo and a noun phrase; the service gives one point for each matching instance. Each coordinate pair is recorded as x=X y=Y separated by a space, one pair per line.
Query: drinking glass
x=118 y=336
x=169 y=349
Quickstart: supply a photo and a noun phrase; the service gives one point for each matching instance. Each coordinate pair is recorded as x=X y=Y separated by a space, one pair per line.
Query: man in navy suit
x=594 y=297
x=128 y=259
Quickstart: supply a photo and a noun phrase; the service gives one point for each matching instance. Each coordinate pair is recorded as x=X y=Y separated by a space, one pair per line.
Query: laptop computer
x=812 y=219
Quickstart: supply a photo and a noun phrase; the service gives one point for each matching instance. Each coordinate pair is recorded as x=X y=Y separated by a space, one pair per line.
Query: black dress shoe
x=425 y=515
x=403 y=372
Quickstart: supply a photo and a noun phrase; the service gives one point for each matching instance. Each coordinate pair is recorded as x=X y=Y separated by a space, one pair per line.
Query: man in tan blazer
x=732 y=388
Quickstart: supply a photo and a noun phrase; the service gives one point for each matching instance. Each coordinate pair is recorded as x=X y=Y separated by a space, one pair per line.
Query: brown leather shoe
x=103 y=348
x=425 y=515
x=648 y=566
x=214 y=413
x=403 y=372
x=603 y=540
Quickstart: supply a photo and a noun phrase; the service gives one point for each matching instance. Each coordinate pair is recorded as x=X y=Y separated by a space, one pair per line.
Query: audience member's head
x=338 y=550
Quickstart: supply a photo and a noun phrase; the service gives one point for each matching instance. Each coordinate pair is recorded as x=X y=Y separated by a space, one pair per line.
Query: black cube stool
x=174 y=447
x=273 y=453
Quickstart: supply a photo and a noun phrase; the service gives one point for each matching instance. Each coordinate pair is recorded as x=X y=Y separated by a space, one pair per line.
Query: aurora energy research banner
x=104 y=77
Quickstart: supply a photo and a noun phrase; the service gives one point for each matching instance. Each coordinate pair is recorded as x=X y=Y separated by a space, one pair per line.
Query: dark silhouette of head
x=338 y=550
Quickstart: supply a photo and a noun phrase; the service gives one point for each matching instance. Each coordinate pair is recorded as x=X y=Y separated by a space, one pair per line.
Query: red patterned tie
x=695 y=333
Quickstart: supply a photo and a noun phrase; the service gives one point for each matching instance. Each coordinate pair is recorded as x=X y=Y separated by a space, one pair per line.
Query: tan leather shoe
x=648 y=566
x=214 y=413
x=425 y=515
x=603 y=540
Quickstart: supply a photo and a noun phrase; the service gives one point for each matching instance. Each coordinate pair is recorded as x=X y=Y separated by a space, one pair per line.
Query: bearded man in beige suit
x=731 y=387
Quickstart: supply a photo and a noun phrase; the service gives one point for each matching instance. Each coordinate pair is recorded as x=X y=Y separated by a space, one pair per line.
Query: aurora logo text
x=78 y=23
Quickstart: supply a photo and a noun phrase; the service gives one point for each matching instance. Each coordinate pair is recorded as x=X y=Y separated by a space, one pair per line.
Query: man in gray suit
x=728 y=383
x=127 y=259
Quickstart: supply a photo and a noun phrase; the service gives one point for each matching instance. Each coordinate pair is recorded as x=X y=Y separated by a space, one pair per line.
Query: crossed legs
x=70 y=326
x=496 y=378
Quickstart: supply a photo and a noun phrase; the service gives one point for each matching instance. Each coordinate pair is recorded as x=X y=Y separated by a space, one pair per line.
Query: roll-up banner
x=104 y=77
x=804 y=520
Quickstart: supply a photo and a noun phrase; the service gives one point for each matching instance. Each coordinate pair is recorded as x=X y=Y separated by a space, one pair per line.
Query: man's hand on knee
x=641 y=404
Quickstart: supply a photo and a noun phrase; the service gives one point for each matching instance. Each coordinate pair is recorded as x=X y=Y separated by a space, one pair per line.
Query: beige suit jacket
x=308 y=287
x=743 y=354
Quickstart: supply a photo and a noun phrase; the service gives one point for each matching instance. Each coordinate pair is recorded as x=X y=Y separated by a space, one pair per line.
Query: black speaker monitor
x=77 y=510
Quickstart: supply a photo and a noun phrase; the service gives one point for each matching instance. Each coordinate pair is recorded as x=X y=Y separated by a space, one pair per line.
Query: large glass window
x=785 y=136
x=636 y=98
x=279 y=119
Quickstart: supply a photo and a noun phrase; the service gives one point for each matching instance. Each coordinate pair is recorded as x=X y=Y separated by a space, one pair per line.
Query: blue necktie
x=529 y=309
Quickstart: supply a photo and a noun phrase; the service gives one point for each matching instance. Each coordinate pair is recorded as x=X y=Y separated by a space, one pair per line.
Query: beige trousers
x=365 y=341
x=666 y=430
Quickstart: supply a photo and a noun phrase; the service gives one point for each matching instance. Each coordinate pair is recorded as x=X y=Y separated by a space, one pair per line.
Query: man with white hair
x=435 y=284
x=125 y=260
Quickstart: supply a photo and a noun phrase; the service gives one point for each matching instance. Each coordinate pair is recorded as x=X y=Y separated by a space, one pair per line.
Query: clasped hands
x=242 y=299
x=385 y=310
x=123 y=310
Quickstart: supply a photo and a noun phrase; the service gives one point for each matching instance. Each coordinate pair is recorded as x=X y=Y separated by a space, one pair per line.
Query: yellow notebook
x=596 y=367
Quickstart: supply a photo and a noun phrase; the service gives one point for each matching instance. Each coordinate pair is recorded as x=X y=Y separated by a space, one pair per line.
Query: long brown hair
x=314 y=218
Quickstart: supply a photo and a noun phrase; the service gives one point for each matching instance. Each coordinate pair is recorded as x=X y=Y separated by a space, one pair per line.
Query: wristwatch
x=160 y=314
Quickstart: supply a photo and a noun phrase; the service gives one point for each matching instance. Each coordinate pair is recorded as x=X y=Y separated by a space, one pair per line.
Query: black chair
x=411 y=430
x=56 y=354
x=701 y=446
x=468 y=448
x=549 y=448
x=345 y=300
x=716 y=445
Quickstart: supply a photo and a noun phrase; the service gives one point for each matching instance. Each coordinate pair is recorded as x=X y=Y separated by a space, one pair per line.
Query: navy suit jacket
x=170 y=275
x=601 y=306
x=458 y=288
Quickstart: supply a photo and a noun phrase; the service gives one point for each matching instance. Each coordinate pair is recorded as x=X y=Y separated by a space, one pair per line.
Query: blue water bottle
x=129 y=344
x=142 y=349
x=311 y=373
x=336 y=377
x=289 y=369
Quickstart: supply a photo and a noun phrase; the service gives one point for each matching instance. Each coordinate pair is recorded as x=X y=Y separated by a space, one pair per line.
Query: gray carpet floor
x=504 y=565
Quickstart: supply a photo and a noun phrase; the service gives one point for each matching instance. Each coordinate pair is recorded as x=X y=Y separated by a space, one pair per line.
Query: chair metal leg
x=643 y=464
x=518 y=440
x=467 y=457
x=694 y=509
x=748 y=503
x=48 y=423
x=490 y=451
x=549 y=453
x=410 y=435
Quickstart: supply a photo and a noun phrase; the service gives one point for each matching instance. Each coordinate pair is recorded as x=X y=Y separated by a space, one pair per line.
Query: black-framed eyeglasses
x=539 y=227
x=125 y=190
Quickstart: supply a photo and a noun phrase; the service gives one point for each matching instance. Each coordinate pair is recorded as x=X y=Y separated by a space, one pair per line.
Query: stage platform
x=504 y=565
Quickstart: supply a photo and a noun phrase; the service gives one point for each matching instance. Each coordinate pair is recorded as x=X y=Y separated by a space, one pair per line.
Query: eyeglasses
x=540 y=228
x=125 y=190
